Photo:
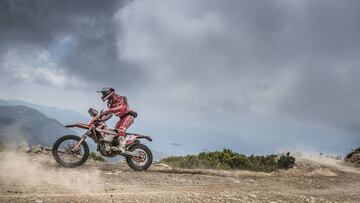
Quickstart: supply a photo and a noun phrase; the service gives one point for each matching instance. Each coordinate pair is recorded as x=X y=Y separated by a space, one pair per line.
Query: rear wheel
x=64 y=153
x=144 y=159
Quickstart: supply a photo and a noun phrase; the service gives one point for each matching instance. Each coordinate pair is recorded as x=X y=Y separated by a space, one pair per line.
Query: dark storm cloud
x=39 y=21
x=293 y=58
x=296 y=59
x=93 y=56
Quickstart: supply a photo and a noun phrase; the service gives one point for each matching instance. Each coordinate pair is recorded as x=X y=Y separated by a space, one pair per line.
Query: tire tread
x=130 y=162
x=69 y=165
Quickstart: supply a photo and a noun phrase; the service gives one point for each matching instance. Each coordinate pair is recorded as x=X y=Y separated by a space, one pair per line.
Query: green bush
x=95 y=156
x=227 y=159
x=353 y=151
x=286 y=161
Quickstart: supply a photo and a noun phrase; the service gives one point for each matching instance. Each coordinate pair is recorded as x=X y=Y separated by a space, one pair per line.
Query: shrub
x=95 y=156
x=286 y=161
x=227 y=159
x=353 y=151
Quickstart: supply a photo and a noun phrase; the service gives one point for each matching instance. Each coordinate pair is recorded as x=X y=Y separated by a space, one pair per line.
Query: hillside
x=20 y=123
x=65 y=116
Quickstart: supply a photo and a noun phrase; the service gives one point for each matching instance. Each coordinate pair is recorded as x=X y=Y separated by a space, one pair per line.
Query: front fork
x=77 y=145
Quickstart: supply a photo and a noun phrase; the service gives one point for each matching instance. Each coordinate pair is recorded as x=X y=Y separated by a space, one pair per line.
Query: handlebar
x=103 y=117
x=100 y=116
x=106 y=116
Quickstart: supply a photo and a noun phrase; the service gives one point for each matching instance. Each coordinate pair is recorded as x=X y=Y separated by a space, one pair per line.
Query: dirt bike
x=72 y=151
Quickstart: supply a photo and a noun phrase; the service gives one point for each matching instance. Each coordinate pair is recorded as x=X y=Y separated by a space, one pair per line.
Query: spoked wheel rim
x=141 y=158
x=67 y=152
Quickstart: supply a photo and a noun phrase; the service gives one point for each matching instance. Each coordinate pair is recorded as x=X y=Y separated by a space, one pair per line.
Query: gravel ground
x=28 y=177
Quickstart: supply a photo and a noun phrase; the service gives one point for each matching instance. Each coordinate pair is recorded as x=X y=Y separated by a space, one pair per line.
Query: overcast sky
x=254 y=76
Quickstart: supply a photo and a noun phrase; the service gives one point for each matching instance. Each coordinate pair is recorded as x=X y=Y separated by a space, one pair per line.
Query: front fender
x=78 y=125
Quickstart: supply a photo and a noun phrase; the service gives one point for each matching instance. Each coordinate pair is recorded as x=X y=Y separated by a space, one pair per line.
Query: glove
x=106 y=116
x=103 y=113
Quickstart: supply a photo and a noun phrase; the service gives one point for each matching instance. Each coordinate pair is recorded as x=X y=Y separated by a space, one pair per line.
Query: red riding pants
x=123 y=124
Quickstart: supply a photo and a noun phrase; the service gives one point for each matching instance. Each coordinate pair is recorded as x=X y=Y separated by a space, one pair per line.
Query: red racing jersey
x=118 y=105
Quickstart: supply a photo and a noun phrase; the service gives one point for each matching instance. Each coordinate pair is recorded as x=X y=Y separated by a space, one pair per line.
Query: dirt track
x=36 y=178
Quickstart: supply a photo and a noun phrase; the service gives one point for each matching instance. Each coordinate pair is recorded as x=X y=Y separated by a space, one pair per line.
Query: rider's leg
x=121 y=126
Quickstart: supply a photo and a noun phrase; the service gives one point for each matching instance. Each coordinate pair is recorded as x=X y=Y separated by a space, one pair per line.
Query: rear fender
x=144 y=137
x=133 y=139
x=131 y=136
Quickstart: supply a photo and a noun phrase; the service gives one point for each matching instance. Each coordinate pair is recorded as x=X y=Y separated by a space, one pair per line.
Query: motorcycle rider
x=119 y=107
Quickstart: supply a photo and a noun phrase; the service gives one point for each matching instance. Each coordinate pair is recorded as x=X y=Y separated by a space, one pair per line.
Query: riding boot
x=121 y=146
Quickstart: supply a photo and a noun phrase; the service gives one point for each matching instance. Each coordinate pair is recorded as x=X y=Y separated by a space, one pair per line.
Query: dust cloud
x=21 y=169
x=325 y=161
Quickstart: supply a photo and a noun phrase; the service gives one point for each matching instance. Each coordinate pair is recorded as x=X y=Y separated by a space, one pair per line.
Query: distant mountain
x=65 y=116
x=21 y=123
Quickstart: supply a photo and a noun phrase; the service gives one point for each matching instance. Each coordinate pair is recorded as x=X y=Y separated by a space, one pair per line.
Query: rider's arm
x=115 y=109
x=118 y=106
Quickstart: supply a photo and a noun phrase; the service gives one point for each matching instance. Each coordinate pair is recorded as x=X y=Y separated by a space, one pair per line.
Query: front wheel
x=144 y=159
x=64 y=153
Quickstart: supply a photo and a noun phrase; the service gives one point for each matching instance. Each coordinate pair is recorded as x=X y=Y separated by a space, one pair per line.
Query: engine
x=106 y=143
x=107 y=140
x=104 y=149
